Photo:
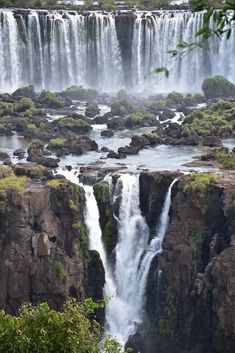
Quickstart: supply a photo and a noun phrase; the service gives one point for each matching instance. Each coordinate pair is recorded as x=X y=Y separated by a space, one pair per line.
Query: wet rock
x=4 y=156
x=115 y=155
x=20 y=153
x=129 y=150
x=7 y=161
x=107 y=133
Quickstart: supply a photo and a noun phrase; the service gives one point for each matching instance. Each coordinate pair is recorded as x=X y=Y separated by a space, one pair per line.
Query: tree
x=38 y=329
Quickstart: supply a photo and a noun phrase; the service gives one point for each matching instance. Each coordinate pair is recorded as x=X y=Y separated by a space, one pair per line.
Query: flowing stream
x=126 y=283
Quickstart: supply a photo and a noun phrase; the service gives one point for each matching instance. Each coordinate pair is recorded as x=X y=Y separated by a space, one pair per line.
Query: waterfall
x=134 y=255
x=95 y=237
x=57 y=49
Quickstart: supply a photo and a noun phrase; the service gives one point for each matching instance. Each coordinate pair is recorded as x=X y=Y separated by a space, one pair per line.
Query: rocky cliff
x=43 y=244
x=191 y=287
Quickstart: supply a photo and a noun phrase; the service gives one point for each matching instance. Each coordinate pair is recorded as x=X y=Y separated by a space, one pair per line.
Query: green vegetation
x=122 y=107
x=73 y=124
x=227 y=159
x=57 y=143
x=55 y=183
x=175 y=97
x=92 y=110
x=27 y=91
x=5 y=108
x=218 y=119
x=24 y=104
x=11 y=182
x=37 y=171
x=61 y=271
x=79 y=93
x=50 y=99
x=29 y=113
x=137 y=117
x=168 y=319
x=40 y=329
x=218 y=87
x=101 y=192
x=194 y=241
x=198 y=183
x=31 y=126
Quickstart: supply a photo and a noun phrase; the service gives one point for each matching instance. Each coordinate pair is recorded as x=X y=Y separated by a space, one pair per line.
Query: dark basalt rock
x=115 y=155
x=20 y=153
x=129 y=150
x=4 y=156
x=107 y=133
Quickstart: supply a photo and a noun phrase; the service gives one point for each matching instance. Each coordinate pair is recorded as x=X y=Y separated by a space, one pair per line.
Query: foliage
x=122 y=107
x=198 y=183
x=24 y=104
x=55 y=183
x=37 y=171
x=5 y=108
x=92 y=110
x=217 y=119
x=194 y=240
x=101 y=192
x=218 y=87
x=40 y=329
x=31 y=126
x=27 y=91
x=70 y=123
x=29 y=113
x=11 y=182
x=57 y=142
x=139 y=116
x=227 y=159
x=168 y=319
x=79 y=93
x=175 y=97
x=50 y=99
x=61 y=271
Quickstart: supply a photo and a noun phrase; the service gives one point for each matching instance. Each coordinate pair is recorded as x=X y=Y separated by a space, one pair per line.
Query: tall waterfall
x=126 y=284
x=55 y=50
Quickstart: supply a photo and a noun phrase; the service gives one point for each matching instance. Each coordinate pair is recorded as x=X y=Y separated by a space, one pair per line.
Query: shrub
x=227 y=159
x=50 y=99
x=40 y=329
x=61 y=271
x=29 y=113
x=56 y=143
x=24 y=104
x=70 y=123
x=122 y=107
x=175 y=97
x=11 y=182
x=198 y=183
x=31 y=126
x=79 y=93
x=27 y=91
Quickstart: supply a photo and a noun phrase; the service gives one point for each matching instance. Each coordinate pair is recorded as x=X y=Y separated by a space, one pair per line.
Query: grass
x=12 y=183
x=227 y=159
x=57 y=143
x=61 y=271
x=198 y=183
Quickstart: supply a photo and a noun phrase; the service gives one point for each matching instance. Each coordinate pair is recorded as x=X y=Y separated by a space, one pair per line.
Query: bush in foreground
x=40 y=329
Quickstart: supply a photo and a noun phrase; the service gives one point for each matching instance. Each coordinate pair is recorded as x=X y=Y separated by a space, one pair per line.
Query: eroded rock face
x=43 y=247
x=190 y=304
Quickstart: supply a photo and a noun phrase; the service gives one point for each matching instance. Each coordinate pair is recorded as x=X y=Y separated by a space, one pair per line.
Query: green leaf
x=172 y=52
x=159 y=70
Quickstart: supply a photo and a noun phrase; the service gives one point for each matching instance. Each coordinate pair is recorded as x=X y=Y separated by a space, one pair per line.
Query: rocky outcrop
x=43 y=245
x=190 y=303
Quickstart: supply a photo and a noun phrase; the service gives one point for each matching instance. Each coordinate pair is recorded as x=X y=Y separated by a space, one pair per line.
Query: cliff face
x=43 y=247
x=194 y=308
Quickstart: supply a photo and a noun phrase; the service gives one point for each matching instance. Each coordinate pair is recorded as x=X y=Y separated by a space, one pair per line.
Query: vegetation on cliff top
x=198 y=183
x=40 y=329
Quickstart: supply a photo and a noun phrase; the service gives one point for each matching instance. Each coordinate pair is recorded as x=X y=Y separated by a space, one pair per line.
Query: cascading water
x=134 y=255
x=54 y=50
x=95 y=237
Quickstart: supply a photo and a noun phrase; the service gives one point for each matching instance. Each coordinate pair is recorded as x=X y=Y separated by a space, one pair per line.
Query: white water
x=134 y=254
x=55 y=50
x=95 y=237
